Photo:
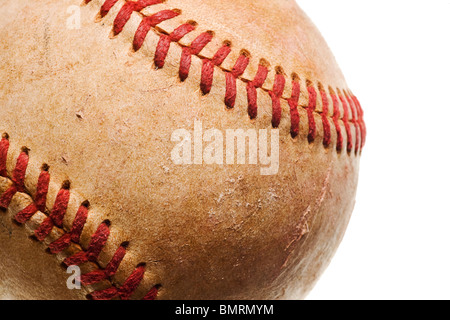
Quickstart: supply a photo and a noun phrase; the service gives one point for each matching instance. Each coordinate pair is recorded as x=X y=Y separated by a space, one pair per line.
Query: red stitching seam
x=349 y=102
x=55 y=219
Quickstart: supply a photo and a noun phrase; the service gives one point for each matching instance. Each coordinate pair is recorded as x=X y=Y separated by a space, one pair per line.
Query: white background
x=396 y=59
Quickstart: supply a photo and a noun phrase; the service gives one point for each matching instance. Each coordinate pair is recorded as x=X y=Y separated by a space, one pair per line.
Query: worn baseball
x=178 y=149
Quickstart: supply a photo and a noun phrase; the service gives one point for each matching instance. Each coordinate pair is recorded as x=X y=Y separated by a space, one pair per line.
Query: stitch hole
x=245 y=53
x=45 y=167
x=63 y=265
x=211 y=33
x=13 y=220
x=5 y=136
x=107 y=223
x=227 y=43
x=192 y=23
x=153 y=293
x=320 y=86
x=25 y=150
x=66 y=185
x=320 y=89
x=295 y=77
x=125 y=244
x=177 y=11
x=338 y=146
x=98 y=18
x=279 y=70
x=86 y=204
x=326 y=107
x=33 y=238
x=330 y=89
x=157 y=287
x=263 y=62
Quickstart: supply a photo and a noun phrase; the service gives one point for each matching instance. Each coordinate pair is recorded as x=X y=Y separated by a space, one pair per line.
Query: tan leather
x=102 y=117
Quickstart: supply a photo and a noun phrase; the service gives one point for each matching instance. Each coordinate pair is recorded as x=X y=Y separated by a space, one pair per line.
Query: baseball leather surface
x=86 y=176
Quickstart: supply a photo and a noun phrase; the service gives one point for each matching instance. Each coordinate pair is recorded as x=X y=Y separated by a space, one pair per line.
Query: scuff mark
x=303 y=227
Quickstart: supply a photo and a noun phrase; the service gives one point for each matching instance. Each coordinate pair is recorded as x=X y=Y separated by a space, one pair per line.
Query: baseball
x=178 y=149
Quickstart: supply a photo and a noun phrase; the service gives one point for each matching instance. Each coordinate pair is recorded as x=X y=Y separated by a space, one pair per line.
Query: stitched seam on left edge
x=54 y=219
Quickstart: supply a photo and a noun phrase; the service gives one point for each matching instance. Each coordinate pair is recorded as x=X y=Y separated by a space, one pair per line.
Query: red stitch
x=107 y=294
x=127 y=9
x=130 y=285
x=42 y=188
x=109 y=271
x=252 y=94
x=98 y=241
x=336 y=116
x=40 y=198
x=360 y=120
x=4 y=146
x=326 y=124
x=126 y=290
x=93 y=277
x=208 y=67
x=164 y=42
x=311 y=109
x=152 y=294
x=18 y=178
x=231 y=78
x=7 y=196
x=196 y=46
x=44 y=229
x=25 y=215
x=354 y=121
x=77 y=259
x=222 y=54
x=241 y=65
x=230 y=94
x=113 y=265
x=61 y=203
x=106 y=7
x=57 y=215
x=150 y=22
x=61 y=244
x=293 y=104
x=276 y=94
x=79 y=222
x=346 y=123
x=74 y=235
